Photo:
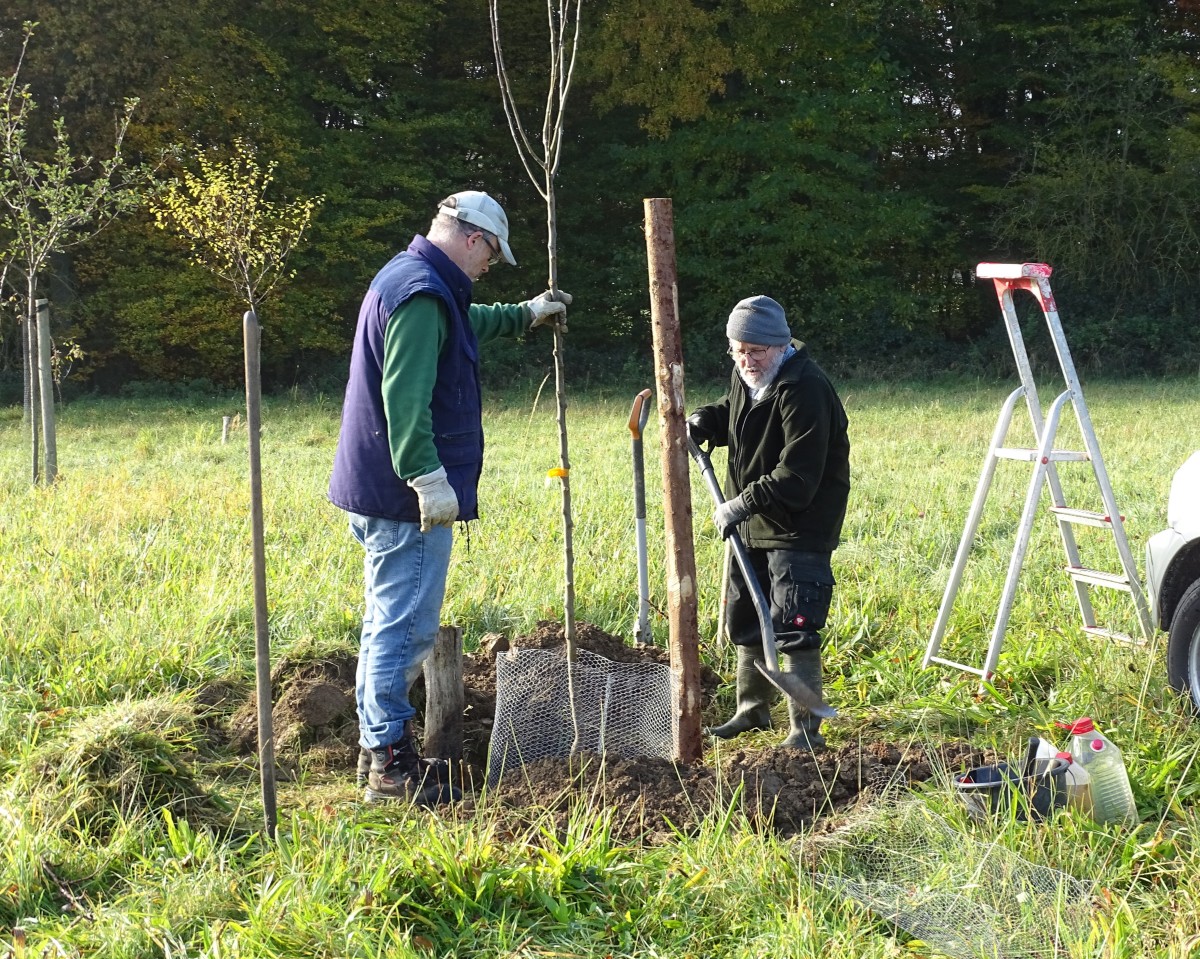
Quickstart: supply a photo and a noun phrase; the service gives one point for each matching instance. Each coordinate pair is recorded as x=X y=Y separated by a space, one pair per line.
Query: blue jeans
x=404 y=573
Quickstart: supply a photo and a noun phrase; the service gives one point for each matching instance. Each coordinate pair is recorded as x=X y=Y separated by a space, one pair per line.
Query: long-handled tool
x=637 y=424
x=791 y=686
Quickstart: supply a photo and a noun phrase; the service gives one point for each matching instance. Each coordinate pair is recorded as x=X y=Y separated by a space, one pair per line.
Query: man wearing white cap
x=787 y=485
x=408 y=461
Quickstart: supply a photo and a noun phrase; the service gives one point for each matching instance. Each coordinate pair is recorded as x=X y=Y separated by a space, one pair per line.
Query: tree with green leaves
x=244 y=239
x=230 y=226
x=52 y=199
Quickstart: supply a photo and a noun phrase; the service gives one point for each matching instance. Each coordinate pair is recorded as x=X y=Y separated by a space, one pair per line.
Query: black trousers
x=798 y=586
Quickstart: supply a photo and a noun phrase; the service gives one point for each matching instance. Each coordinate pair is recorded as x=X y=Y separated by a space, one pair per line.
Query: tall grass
x=126 y=588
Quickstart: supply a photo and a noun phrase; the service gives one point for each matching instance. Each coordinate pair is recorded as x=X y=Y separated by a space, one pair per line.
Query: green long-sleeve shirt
x=416 y=334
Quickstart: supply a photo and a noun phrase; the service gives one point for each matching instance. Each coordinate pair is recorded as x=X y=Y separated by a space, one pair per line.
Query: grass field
x=125 y=588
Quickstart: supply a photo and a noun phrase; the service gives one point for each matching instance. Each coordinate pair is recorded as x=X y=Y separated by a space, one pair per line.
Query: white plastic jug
x=1079 y=784
x=1111 y=795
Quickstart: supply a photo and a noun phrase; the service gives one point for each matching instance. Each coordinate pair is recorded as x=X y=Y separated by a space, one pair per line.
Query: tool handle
x=639 y=414
x=637 y=422
x=740 y=553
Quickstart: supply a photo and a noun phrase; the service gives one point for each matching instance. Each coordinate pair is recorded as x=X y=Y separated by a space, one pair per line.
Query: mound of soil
x=784 y=789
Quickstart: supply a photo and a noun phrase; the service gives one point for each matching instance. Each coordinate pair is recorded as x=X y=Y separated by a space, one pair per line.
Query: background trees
x=854 y=160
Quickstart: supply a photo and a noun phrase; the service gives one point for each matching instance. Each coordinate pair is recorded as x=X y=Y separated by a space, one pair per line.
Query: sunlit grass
x=128 y=585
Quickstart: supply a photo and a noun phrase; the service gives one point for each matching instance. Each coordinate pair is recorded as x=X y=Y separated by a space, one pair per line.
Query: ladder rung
x=1010 y=271
x=963 y=666
x=1111 y=634
x=1028 y=455
x=1083 y=517
x=1099 y=578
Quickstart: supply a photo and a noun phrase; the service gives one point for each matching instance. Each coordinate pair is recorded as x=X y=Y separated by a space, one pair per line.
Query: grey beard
x=766 y=377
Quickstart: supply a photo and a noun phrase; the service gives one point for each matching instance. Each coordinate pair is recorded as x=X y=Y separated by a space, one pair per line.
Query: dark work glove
x=729 y=514
x=699 y=432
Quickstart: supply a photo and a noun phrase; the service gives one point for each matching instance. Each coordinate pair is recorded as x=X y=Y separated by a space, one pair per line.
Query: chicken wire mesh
x=965 y=897
x=620 y=708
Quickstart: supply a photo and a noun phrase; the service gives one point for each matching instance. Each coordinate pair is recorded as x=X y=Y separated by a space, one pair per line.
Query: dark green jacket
x=789 y=456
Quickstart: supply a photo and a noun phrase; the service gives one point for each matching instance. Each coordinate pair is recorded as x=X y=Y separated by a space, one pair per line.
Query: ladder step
x=1099 y=578
x=1011 y=271
x=1112 y=634
x=963 y=666
x=1083 y=517
x=1028 y=455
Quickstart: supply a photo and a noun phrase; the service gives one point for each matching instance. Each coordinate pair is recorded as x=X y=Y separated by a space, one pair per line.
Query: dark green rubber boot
x=805 y=664
x=754 y=695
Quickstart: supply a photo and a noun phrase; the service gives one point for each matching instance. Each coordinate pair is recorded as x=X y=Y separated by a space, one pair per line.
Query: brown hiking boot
x=398 y=772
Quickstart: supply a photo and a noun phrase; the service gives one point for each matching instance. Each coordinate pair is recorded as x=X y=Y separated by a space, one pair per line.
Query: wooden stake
x=677 y=491
x=445 y=696
x=46 y=385
x=252 y=340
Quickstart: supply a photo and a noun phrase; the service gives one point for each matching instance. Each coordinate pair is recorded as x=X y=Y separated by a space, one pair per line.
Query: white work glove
x=549 y=309
x=730 y=514
x=439 y=505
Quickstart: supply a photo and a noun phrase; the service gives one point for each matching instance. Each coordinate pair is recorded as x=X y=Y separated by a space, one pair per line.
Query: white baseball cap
x=479 y=209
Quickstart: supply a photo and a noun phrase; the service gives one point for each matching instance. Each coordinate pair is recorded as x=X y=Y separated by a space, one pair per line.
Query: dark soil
x=782 y=789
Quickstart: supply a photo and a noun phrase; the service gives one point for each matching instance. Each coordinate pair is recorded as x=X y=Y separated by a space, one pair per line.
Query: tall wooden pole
x=677 y=492
x=46 y=385
x=252 y=339
x=32 y=406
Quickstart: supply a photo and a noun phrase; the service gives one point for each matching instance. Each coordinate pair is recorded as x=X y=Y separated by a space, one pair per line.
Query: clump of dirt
x=783 y=789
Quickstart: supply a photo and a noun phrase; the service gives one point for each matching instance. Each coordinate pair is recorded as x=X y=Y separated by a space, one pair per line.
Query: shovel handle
x=741 y=555
x=639 y=414
x=637 y=423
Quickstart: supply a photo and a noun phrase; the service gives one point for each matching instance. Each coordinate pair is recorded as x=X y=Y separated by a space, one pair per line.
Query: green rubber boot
x=805 y=664
x=754 y=695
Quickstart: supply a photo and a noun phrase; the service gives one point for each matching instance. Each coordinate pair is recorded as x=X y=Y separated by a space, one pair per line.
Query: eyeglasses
x=755 y=354
x=494 y=250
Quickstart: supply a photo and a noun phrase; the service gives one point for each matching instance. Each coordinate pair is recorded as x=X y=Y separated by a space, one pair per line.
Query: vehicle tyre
x=1183 y=645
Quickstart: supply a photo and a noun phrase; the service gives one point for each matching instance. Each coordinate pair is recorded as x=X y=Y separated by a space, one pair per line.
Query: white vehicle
x=1173 y=578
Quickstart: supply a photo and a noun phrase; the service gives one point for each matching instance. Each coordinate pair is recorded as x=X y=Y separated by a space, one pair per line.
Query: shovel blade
x=795 y=689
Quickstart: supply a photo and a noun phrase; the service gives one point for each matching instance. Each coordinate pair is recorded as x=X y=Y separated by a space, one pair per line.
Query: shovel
x=637 y=424
x=791 y=686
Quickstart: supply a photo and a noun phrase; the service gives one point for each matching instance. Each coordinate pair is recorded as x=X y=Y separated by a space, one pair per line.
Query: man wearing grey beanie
x=786 y=488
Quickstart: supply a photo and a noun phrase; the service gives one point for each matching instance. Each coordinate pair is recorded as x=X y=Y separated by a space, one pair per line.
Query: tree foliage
x=54 y=199
x=230 y=226
x=855 y=159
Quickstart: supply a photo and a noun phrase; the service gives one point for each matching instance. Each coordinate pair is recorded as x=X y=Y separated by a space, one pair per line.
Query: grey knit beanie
x=760 y=320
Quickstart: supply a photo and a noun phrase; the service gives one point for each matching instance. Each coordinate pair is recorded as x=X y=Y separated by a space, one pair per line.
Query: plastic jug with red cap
x=1096 y=755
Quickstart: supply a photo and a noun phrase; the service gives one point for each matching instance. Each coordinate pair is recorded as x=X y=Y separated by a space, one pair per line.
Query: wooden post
x=225 y=420
x=677 y=490
x=31 y=393
x=46 y=383
x=445 y=696
x=252 y=341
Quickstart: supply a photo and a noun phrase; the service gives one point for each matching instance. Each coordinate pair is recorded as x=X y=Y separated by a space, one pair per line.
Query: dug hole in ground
x=786 y=790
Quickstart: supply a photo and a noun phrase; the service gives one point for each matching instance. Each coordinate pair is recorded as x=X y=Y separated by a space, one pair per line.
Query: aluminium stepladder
x=1035 y=278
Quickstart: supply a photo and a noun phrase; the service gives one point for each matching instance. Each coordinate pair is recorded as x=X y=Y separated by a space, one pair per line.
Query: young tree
x=541 y=163
x=230 y=227
x=244 y=239
x=50 y=201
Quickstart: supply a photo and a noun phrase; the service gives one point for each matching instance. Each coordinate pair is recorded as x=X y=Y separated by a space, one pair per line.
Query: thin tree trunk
x=560 y=392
